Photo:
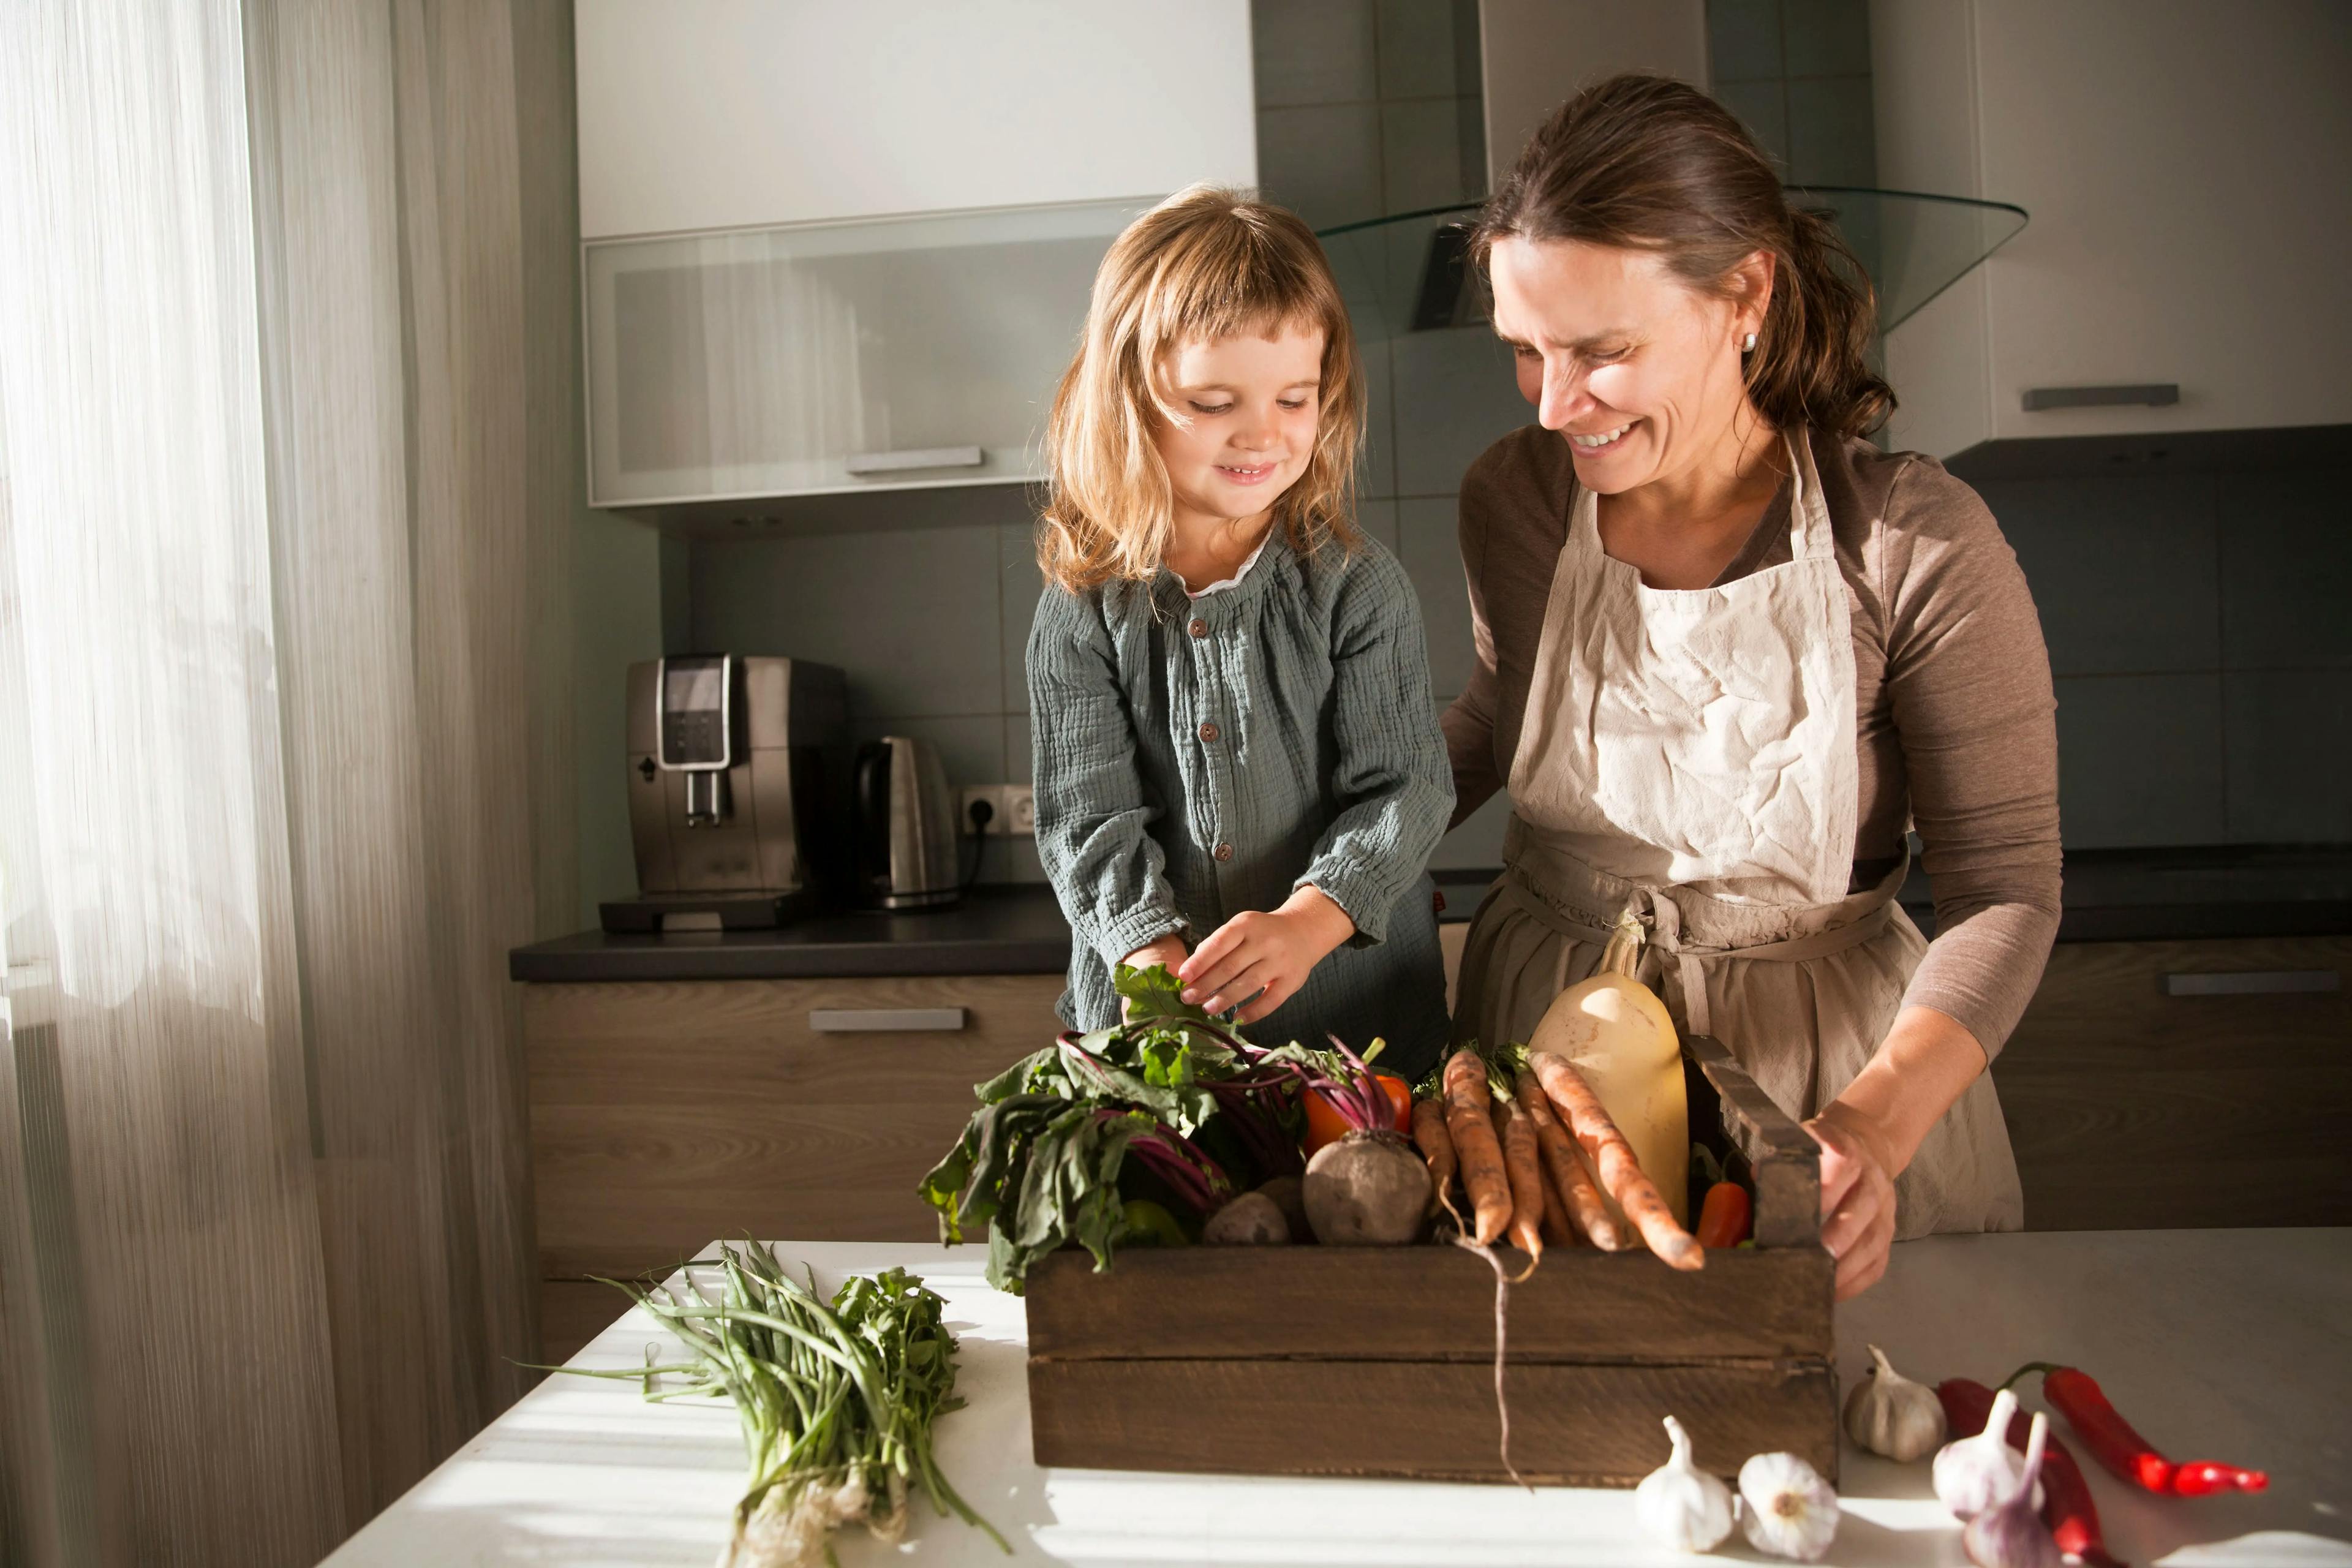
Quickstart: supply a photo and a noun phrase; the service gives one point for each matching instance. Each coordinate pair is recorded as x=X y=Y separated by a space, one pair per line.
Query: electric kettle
x=907 y=850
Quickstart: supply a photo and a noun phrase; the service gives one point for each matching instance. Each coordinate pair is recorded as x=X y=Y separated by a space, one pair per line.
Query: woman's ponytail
x=1811 y=363
x=1649 y=163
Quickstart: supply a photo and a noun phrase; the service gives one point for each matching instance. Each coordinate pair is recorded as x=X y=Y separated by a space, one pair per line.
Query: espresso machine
x=739 y=793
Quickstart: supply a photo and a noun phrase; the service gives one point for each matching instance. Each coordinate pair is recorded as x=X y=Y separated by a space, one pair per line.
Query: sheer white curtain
x=288 y=464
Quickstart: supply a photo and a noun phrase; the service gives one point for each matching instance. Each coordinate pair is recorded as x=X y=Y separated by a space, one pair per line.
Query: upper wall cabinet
x=2188 y=173
x=891 y=353
x=750 y=113
x=846 y=247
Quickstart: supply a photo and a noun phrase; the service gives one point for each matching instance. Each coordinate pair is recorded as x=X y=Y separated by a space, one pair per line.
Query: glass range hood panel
x=1408 y=273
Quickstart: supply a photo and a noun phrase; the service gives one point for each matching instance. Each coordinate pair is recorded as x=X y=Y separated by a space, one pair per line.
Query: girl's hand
x=1168 y=950
x=1265 y=954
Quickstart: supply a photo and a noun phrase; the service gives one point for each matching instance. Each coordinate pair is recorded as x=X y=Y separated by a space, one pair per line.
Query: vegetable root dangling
x=1613 y=1157
x=1476 y=1147
x=1502 y=1338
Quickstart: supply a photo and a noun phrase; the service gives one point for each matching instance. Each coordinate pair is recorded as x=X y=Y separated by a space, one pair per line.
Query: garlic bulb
x=1974 y=1473
x=1788 y=1511
x=1893 y=1415
x=1681 y=1505
x=2010 y=1534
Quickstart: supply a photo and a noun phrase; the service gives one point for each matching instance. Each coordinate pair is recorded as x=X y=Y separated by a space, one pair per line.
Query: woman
x=1728 y=652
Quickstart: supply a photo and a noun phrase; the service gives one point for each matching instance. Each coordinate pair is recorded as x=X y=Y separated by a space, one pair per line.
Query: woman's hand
x=1264 y=953
x=1869 y=1133
x=1857 y=1197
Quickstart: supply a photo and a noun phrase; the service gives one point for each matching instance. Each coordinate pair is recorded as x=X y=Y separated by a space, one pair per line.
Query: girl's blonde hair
x=1206 y=263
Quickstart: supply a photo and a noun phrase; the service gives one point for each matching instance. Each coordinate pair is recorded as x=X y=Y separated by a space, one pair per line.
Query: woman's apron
x=1692 y=754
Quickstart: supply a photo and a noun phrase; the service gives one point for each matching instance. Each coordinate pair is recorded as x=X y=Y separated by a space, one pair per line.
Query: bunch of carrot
x=1507 y=1135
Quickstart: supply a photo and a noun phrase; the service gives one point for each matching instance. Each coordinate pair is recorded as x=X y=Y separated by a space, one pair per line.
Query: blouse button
x=1209 y=733
x=1224 y=851
x=1199 y=628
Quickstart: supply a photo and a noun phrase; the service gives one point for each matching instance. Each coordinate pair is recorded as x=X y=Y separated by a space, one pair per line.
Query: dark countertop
x=2112 y=895
x=995 y=931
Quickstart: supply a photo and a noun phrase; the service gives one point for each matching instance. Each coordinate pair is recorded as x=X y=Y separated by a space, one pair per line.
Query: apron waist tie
x=1665 y=922
x=1665 y=933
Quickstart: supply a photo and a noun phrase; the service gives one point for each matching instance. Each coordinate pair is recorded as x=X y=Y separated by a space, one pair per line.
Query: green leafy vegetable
x=1191 y=1101
x=837 y=1401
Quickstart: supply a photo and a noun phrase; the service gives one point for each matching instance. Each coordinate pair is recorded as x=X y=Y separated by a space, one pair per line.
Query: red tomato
x=1323 y=1123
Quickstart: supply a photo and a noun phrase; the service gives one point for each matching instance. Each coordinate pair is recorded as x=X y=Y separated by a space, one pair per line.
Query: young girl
x=1239 y=772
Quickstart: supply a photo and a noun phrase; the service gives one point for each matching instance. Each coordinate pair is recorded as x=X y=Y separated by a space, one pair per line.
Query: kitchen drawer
x=2183 y=1084
x=664 y=1115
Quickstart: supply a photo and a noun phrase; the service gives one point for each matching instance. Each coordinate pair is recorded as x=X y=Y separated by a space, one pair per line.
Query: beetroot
x=1369 y=1189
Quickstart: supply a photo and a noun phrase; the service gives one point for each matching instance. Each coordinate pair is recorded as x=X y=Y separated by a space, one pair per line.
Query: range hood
x=1410 y=273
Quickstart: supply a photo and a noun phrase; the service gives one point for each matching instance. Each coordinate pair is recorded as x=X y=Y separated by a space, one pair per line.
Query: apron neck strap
x=1810 y=538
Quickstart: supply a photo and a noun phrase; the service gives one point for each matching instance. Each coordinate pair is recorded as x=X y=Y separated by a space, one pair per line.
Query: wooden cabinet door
x=664 y=1116
x=2184 y=1084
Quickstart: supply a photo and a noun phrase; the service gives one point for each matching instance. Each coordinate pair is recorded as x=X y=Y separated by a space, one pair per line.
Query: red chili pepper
x=2131 y=1457
x=2066 y=1505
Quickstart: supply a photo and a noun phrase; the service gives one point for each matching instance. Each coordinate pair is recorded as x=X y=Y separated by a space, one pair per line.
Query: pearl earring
x=1748 y=345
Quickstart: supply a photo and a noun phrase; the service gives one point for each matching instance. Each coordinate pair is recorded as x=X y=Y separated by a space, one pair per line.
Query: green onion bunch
x=837 y=1399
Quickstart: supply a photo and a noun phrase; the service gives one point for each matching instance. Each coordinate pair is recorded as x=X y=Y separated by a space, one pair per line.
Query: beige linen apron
x=1692 y=754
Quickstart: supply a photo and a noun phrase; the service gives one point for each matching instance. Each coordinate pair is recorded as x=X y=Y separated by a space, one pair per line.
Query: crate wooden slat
x=1427 y=1304
x=1571 y=1425
x=1379 y=1360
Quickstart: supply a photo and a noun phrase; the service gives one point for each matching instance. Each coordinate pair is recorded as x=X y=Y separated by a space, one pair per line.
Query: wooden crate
x=1380 y=1361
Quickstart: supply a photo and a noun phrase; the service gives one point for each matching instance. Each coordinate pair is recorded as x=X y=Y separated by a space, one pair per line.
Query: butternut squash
x=1618 y=1035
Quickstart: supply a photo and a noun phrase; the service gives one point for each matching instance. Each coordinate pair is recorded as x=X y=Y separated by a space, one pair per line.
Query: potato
x=1252 y=1219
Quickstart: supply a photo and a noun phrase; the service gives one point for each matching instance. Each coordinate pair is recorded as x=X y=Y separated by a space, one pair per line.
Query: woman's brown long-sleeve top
x=1956 y=725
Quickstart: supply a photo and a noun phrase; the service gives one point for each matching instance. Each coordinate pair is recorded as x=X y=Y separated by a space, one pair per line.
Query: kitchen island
x=2234 y=1344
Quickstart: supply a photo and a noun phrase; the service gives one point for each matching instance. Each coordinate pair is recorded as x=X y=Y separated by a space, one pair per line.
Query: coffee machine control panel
x=696 y=702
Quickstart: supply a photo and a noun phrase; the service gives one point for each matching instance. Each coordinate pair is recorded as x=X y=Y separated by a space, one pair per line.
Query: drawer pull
x=2163 y=394
x=909 y=461
x=2254 y=982
x=885 y=1020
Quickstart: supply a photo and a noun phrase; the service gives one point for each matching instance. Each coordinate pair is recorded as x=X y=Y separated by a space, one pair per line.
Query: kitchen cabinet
x=889 y=353
x=666 y=1113
x=832 y=249
x=752 y=113
x=2188 y=170
x=2166 y=1084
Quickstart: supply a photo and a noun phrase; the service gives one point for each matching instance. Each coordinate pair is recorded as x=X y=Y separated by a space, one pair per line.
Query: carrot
x=1723 y=1218
x=1556 y=1231
x=1518 y=1136
x=1613 y=1157
x=1588 y=1216
x=1475 y=1146
x=1429 y=1135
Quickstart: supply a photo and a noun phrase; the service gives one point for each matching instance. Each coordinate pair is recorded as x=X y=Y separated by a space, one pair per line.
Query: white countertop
x=2234 y=1345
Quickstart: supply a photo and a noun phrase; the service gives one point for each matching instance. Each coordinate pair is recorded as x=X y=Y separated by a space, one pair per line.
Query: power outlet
x=1012 y=808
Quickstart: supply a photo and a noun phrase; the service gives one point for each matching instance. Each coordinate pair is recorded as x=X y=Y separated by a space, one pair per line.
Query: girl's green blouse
x=1196 y=759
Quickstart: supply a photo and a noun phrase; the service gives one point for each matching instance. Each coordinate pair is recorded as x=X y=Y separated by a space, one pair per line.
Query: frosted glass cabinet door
x=875 y=355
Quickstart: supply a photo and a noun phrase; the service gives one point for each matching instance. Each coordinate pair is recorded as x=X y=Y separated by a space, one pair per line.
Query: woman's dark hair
x=1643 y=163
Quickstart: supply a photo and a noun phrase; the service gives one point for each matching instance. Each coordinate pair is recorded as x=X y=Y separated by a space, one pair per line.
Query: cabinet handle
x=885 y=1020
x=2254 y=982
x=2157 y=395
x=919 y=457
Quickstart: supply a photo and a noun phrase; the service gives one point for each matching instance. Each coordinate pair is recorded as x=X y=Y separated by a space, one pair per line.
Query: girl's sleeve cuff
x=1124 y=935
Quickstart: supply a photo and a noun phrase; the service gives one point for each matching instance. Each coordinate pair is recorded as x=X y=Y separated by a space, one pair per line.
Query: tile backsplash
x=2199 y=634
x=927 y=621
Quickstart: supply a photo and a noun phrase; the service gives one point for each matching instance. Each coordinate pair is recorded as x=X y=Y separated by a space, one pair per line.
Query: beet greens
x=1202 y=1110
